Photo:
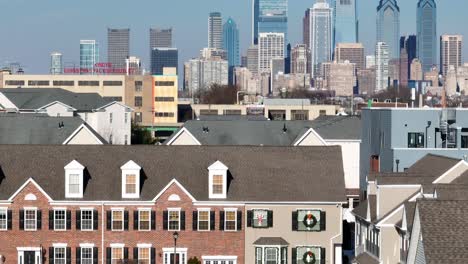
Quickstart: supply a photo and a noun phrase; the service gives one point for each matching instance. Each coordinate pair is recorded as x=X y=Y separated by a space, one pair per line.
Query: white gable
x=218 y=165
x=130 y=165
x=74 y=165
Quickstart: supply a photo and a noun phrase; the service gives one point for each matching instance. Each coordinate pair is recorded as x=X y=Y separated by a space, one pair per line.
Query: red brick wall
x=198 y=243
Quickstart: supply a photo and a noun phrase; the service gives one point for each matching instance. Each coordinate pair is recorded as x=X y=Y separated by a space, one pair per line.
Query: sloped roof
x=35 y=98
x=37 y=129
x=255 y=173
x=270 y=241
x=444 y=232
x=432 y=165
x=366 y=258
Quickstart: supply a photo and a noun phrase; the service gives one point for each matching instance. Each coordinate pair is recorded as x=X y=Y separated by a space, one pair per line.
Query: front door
x=29 y=257
x=171 y=258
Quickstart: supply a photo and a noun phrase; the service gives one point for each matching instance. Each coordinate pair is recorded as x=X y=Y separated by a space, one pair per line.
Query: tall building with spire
x=427 y=33
x=345 y=22
x=320 y=35
x=215 y=31
x=388 y=26
x=269 y=16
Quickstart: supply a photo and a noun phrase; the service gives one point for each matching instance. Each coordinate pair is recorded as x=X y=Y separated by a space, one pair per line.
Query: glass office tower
x=56 y=65
x=427 y=33
x=321 y=35
x=89 y=56
x=231 y=42
x=270 y=16
x=163 y=57
x=388 y=26
x=346 y=23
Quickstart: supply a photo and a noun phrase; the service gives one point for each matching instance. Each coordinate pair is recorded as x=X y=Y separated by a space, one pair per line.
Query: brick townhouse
x=114 y=204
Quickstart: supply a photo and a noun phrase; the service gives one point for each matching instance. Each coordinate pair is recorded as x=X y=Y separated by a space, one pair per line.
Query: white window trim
x=60 y=246
x=117 y=245
x=209 y=219
x=235 y=219
x=5 y=209
x=55 y=223
x=139 y=219
x=35 y=216
x=86 y=246
x=217 y=168
x=144 y=247
x=74 y=167
x=169 y=251
x=253 y=216
x=92 y=219
x=131 y=168
x=112 y=219
x=169 y=210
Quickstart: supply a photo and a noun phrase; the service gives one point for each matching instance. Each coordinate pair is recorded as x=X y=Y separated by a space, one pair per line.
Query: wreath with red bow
x=309 y=257
x=309 y=220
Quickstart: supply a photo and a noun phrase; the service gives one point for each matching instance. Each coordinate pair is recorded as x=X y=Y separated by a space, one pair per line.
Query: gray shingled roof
x=34 y=98
x=36 y=128
x=444 y=232
x=270 y=241
x=256 y=173
x=366 y=258
x=271 y=133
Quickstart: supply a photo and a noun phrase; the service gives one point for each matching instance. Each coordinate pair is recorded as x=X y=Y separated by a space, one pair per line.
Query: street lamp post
x=175 y=235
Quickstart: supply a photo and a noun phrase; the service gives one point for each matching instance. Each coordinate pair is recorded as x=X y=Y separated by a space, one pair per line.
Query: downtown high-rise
x=270 y=47
x=163 y=58
x=231 y=42
x=345 y=22
x=160 y=38
x=320 y=35
x=388 y=26
x=215 y=31
x=56 y=63
x=269 y=16
x=381 y=66
x=89 y=56
x=427 y=33
x=118 y=47
x=450 y=52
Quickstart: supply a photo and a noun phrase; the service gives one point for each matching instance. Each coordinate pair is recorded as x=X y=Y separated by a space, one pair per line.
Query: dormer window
x=217 y=174
x=130 y=180
x=74 y=180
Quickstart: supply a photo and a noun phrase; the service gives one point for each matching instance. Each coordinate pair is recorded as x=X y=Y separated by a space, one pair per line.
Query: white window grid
x=117 y=225
x=206 y=221
x=60 y=255
x=174 y=224
x=3 y=219
x=87 y=218
x=87 y=255
x=144 y=225
x=229 y=224
x=30 y=219
x=144 y=255
x=74 y=184
x=60 y=219
x=117 y=255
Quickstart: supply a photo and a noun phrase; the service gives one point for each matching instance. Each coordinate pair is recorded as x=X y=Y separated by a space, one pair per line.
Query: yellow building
x=165 y=94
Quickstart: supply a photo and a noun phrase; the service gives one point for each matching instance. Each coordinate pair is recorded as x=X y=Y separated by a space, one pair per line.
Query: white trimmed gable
x=57 y=109
x=183 y=138
x=453 y=173
x=310 y=138
x=130 y=180
x=74 y=180
x=217 y=176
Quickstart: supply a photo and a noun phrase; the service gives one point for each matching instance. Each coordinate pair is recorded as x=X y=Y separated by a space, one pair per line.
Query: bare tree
x=218 y=94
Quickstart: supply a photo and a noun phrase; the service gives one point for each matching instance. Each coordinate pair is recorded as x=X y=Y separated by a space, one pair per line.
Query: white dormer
x=74 y=180
x=130 y=180
x=217 y=174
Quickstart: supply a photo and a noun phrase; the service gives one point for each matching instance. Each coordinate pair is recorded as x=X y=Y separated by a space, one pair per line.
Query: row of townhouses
x=169 y=204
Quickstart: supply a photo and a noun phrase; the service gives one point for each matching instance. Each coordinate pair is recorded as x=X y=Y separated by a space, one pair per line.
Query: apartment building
x=114 y=204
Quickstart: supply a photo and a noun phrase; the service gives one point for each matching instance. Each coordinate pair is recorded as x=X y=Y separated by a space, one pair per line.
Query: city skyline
x=65 y=38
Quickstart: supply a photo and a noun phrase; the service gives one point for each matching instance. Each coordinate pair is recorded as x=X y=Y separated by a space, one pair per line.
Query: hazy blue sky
x=30 y=30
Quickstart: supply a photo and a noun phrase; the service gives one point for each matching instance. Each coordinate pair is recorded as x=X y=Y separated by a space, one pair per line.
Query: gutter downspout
x=102 y=233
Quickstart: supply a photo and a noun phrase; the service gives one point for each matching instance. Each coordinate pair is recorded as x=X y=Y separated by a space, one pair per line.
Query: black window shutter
x=51 y=219
x=51 y=255
x=195 y=220
x=165 y=215
x=69 y=255
x=294 y=255
x=21 y=220
x=270 y=218
x=249 y=218
x=294 y=221
x=323 y=221
x=153 y=220
x=108 y=254
x=10 y=219
x=95 y=255
x=78 y=219
x=212 y=220
x=182 y=220
x=78 y=255
x=109 y=220
x=239 y=220
x=125 y=220
x=221 y=220
x=135 y=254
x=135 y=220
x=68 y=220
x=95 y=220
x=322 y=256
x=39 y=219
x=125 y=254
x=153 y=256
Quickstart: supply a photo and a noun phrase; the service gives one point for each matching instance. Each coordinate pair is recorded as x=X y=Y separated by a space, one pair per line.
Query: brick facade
x=198 y=243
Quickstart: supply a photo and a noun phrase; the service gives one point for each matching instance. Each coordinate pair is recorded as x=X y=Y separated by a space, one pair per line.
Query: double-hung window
x=230 y=220
x=74 y=184
x=271 y=256
x=144 y=255
x=144 y=219
x=260 y=218
x=130 y=184
x=60 y=219
x=60 y=255
x=203 y=220
x=174 y=220
x=117 y=220
x=3 y=219
x=86 y=220
x=30 y=219
x=117 y=255
x=86 y=255
x=218 y=184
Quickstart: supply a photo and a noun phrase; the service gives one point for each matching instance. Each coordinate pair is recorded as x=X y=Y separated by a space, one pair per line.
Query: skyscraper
x=416 y=70
x=163 y=58
x=118 y=47
x=352 y=52
x=427 y=33
x=56 y=65
x=321 y=31
x=306 y=28
x=450 y=52
x=382 y=63
x=270 y=16
x=215 y=31
x=201 y=73
x=270 y=46
x=388 y=26
x=231 y=42
x=89 y=56
x=160 y=38
x=299 y=56
x=252 y=59
x=346 y=24
x=409 y=45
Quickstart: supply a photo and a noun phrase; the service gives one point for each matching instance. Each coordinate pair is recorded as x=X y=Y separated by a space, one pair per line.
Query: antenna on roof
x=285 y=129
